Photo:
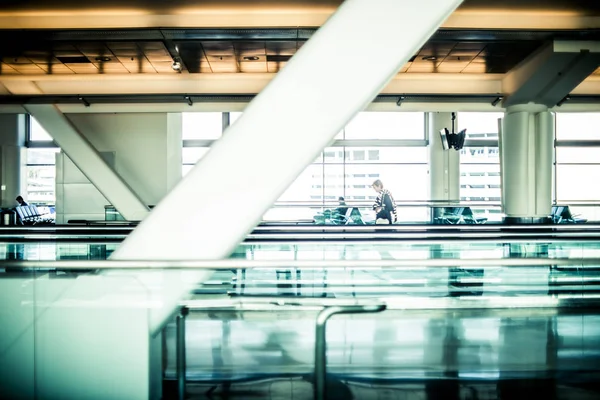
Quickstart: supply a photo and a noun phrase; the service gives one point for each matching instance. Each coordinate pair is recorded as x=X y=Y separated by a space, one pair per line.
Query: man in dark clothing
x=342 y=208
x=384 y=206
x=21 y=202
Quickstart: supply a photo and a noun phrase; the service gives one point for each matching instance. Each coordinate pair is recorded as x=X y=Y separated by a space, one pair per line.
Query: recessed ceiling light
x=429 y=58
x=103 y=58
x=251 y=58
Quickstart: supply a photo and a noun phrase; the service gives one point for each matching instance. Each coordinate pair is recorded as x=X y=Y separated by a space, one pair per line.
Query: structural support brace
x=89 y=161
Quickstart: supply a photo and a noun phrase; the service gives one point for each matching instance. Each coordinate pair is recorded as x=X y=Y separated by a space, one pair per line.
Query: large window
x=390 y=146
x=358 y=157
x=480 y=163
x=202 y=125
x=578 y=163
x=41 y=170
x=41 y=165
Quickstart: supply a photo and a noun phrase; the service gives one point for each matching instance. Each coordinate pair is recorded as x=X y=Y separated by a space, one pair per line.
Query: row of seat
x=32 y=214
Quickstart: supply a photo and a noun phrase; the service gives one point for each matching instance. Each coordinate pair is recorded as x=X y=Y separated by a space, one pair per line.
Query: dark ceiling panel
x=133 y=51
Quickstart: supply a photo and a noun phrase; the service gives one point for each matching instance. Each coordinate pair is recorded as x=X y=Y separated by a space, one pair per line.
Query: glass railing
x=367 y=249
x=446 y=326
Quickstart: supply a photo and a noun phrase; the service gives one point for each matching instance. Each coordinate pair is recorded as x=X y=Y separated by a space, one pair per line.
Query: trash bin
x=9 y=218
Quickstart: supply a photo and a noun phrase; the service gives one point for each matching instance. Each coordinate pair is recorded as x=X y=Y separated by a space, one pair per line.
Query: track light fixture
x=189 y=100
x=497 y=100
x=84 y=101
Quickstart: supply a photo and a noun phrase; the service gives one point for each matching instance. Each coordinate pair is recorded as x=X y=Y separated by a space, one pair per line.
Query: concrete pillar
x=526 y=153
x=12 y=159
x=444 y=165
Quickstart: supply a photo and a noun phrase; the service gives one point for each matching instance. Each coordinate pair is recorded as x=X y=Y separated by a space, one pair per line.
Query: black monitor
x=460 y=139
x=454 y=141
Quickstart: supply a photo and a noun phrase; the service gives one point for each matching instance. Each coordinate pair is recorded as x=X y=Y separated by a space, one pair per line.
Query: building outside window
x=577 y=163
x=41 y=165
x=480 y=163
x=347 y=168
x=199 y=131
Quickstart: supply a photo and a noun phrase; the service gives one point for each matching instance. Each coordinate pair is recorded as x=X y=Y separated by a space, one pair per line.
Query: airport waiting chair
x=459 y=215
x=470 y=218
x=563 y=215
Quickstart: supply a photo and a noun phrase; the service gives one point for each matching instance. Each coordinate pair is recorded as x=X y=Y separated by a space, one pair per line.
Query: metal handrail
x=282 y=264
x=403 y=303
x=320 y=388
x=405 y=236
x=379 y=228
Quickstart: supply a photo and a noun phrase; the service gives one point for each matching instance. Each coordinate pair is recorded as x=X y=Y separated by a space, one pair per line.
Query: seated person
x=342 y=209
x=21 y=202
x=385 y=206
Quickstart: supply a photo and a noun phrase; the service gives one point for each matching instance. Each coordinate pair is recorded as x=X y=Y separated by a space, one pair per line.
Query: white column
x=526 y=156
x=444 y=165
x=89 y=161
x=283 y=129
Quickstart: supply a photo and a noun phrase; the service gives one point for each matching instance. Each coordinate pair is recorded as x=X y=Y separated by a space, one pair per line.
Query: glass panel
x=578 y=126
x=334 y=182
x=307 y=187
x=578 y=155
x=191 y=155
x=387 y=155
x=480 y=155
x=41 y=175
x=575 y=182
x=386 y=125
x=40 y=184
x=333 y=154
x=45 y=156
x=37 y=132
x=479 y=125
x=480 y=182
x=405 y=182
x=202 y=125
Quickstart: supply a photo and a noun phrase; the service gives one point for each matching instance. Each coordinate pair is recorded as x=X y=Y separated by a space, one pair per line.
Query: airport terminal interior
x=300 y=199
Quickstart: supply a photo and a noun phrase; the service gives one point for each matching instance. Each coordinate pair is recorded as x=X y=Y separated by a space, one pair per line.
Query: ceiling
x=43 y=44
x=246 y=51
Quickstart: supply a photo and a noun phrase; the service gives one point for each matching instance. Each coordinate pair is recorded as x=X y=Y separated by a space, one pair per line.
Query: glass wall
x=41 y=165
x=577 y=163
x=199 y=131
x=389 y=146
x=480 y=163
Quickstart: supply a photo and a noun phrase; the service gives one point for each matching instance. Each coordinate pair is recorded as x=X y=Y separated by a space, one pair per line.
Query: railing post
x=180 y=350
x=320 y=378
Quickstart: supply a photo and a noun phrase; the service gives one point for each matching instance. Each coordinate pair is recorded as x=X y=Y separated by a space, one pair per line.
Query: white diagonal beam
x=283 y=129
x=89 y=161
